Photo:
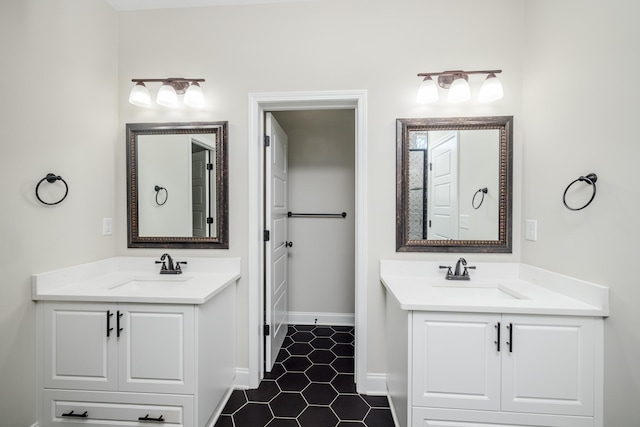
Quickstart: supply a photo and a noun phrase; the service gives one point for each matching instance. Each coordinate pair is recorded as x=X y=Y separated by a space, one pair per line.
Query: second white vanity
x=121 y=344
x=515 y=346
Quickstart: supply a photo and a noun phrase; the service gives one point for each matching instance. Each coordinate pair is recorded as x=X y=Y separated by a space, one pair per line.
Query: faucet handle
x=164 y=265
x=470 y=267
x=178 y=264
x=448 y=267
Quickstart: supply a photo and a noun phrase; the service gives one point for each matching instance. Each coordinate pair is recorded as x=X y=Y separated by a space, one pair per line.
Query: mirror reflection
x=454 y=184
x=177 y=184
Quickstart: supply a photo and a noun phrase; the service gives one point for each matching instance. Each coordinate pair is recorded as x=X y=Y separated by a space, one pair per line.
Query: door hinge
x=430 y=166
x=209 y=220
x=267 y=141
x=267 y=330
x=429 y=223
x=266 y=235
x=209 y=166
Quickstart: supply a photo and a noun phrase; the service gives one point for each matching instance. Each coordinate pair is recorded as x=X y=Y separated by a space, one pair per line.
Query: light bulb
x=140 y=95
x=459 y=91
x=491 y=89
x=167 y=96
x=194 y=97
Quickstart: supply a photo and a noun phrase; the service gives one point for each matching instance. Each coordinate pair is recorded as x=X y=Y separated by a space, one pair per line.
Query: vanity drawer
x=108 y=409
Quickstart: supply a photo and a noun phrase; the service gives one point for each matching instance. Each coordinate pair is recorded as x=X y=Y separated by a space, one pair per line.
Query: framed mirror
x=454 y=184
x=177 y=185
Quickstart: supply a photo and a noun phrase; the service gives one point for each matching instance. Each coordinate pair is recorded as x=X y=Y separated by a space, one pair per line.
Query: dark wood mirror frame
x=220 y=130
x=505 y=126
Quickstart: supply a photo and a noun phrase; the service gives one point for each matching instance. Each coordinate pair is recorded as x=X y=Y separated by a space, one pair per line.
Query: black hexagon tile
x=310 y=385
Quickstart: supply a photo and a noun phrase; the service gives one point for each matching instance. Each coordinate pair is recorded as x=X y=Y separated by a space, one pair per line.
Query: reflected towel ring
x=166 y=195
x=483 y=191
x=589 y=179
x=51 y=178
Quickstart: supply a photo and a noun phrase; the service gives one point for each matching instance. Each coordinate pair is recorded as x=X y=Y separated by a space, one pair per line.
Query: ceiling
x=168 y=4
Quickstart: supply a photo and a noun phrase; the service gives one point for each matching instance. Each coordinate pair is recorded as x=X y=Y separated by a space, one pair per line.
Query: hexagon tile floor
x=311 y=385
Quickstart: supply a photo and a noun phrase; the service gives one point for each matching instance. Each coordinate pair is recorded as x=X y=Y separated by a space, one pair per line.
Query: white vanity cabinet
x=515 y=346
x=528 y=365
x=132 y=364
x=119 y=347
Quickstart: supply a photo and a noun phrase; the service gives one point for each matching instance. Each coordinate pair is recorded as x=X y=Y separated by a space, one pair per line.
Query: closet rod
x=316 y=215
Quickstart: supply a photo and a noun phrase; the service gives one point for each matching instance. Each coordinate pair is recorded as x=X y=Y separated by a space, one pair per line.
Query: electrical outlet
x=107 y=226
x=531 y=229
x=464 y=222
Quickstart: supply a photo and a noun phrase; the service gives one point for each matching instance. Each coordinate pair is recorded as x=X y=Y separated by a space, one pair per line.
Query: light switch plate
x=107 y=226
x=531 y=229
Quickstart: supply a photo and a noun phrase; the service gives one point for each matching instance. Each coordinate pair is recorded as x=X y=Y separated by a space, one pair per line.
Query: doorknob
x=288 y=244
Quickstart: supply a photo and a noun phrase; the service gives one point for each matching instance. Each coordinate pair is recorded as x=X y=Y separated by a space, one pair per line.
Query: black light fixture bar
x=180 y=84
x=169 y=79
x=458 y=72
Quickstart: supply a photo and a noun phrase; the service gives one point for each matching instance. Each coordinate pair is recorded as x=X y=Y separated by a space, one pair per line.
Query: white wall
x=323 y=45
x=58 y=114
x=321 y=179
x=580 y=106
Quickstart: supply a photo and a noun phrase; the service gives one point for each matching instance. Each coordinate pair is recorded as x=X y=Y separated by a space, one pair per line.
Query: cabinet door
x=156 y=348
x=550 y=368
x=455 y=360
x=78 y=354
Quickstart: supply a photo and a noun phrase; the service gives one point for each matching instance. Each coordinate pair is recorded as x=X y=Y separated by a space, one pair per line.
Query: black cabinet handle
x=109 y=328
x=71 y=414
x=119 y=329
x=160 y=419
x=288 y=244
x=510 y=327
x=497 y=342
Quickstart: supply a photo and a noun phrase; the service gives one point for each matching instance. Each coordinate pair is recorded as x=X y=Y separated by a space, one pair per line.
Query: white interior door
x=276 y=284
x=443 y=189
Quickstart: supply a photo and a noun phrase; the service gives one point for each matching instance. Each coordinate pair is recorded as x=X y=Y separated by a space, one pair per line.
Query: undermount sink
x=150 y=284
x=477 y=291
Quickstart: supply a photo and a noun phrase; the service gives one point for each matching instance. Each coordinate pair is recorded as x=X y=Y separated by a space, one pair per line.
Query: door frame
x=259 y=103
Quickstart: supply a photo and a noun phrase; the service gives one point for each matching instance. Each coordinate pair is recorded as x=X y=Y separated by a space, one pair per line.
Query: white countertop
x=137 y=279
x=493 y=288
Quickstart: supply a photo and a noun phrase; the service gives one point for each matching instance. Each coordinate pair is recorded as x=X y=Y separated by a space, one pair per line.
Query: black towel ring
x=51 y=178
x=482 y=191
x=166 y=195
x=589 y=179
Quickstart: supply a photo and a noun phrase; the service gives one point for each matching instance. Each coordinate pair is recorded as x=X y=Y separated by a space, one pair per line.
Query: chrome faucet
x=168 y=266
x=461 y=264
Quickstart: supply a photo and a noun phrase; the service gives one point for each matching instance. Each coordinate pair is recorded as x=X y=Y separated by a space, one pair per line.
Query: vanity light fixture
x=168 y=94
x=457 y=82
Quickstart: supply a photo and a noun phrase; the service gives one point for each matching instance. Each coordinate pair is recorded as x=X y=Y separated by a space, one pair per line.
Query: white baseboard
x=394 y=414
x=325 y=319
x=376 y=384
x=242 y=379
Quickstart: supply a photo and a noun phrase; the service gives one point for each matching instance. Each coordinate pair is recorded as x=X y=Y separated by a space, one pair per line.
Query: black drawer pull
x=497 y=342
x=160 y=419
x=71 y=414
